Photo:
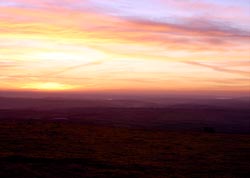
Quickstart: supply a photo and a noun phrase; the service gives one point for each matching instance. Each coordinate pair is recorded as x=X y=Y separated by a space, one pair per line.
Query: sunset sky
x=144 y=45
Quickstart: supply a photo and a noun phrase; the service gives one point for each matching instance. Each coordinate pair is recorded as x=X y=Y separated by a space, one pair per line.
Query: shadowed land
x=59 y=149
x=144 y=140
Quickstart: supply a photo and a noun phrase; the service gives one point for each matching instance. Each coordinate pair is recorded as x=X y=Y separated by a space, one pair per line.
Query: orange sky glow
x=152 y=45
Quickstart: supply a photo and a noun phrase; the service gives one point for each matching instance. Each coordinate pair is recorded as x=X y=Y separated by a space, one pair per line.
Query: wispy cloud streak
x=220 y=68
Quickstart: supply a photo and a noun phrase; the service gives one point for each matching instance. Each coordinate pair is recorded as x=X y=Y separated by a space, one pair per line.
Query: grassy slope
x=58 y=150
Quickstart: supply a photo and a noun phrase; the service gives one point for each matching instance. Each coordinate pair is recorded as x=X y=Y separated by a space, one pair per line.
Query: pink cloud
x=211 y=10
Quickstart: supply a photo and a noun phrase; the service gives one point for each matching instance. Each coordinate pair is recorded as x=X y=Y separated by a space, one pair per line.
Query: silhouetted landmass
x=122 y=102
x=189 y=119
x=64 y=150
x=91 y=139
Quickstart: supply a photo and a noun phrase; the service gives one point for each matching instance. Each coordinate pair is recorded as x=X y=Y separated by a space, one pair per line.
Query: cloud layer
x=130 y=45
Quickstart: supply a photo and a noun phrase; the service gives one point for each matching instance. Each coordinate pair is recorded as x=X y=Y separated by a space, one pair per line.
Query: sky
x=125 y=45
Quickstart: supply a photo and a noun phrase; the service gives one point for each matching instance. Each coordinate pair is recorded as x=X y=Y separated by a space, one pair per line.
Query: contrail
x=75 y=67
x=216 y=68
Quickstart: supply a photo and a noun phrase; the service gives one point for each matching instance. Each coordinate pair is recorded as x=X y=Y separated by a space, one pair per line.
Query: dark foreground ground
x=62 y=149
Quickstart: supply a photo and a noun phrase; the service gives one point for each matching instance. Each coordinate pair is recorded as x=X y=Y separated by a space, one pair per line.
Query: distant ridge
x=57 y=103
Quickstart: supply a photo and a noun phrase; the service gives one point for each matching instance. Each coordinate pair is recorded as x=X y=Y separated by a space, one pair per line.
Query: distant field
x=184 y=118
x=58 y=149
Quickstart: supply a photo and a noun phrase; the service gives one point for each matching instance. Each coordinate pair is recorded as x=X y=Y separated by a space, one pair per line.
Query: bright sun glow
x=48 y=86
